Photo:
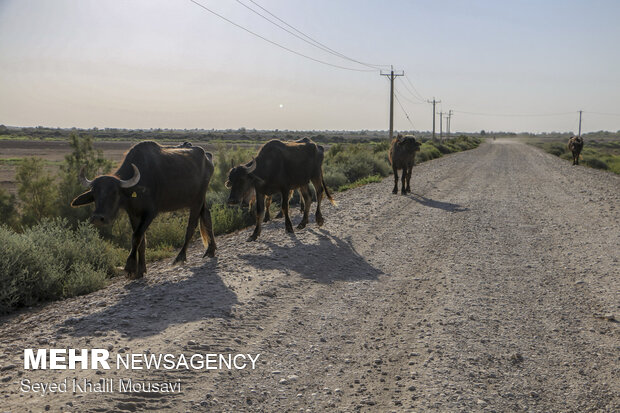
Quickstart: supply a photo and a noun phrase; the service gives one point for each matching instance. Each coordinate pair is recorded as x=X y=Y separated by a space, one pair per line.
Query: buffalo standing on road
x=153 y=179
x=402 y=156
x=575 y=145
x=280 y=167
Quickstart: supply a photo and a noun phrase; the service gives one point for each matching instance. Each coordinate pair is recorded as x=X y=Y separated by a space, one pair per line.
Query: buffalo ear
x=83 y=199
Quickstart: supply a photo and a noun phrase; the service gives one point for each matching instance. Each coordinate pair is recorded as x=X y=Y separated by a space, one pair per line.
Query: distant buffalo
x=402 y=156
x=153 y=179
x=575 y=145
x=280 y=167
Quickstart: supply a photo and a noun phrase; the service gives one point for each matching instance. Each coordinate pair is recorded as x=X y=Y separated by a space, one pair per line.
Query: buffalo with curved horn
x=150 y=180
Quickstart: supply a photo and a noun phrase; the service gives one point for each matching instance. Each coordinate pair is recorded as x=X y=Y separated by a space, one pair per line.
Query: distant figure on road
x=402 y=156
x=575 y=145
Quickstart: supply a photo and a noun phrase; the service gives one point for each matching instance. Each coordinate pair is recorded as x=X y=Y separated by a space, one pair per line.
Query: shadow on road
x=146 y=310
x=446 y=206
x=332 y=259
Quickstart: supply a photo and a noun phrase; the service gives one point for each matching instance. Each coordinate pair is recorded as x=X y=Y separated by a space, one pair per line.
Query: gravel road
x=494 y=286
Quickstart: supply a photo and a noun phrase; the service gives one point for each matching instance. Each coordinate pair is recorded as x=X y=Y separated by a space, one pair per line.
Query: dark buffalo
x=154 y=179
x=402 y=156
x=575 y=145
x=280 y=167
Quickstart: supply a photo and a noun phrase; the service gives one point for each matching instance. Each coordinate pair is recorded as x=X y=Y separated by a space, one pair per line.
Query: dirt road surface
x=495 y=286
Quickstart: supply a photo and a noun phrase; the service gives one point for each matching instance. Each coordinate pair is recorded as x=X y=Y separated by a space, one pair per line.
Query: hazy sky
x=172 y=64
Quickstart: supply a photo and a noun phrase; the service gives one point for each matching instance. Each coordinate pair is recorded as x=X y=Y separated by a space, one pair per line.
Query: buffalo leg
x=287 y=220
x=302 y=202
x=409 y=179
x=131 y=266
x=141 y=248
x=267 y=206
x=260 y=211
x=403 y=183
x=395 y=190
x=305 y=201
x=318 y=187
x=206 y=231
x=194 y=215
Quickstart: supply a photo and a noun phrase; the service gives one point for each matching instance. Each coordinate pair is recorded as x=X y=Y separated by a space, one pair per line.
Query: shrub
x=596 y=163
x=51 y=261
x=37 y=191
x=8 y=212
x=83 y=154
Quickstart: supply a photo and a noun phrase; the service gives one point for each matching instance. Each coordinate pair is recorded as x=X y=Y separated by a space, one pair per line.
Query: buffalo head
x=409 y=143
x=106 y=192
x=241 y=181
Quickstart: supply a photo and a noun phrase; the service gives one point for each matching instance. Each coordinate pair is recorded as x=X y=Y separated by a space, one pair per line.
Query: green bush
x=37 y=191
x=8 y=212
x=228 y=219
x=595 y=163
x=51 y=261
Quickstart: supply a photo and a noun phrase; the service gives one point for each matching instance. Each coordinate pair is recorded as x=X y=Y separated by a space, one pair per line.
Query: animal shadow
x=331 y=259
x=146 y=310
x=446 y=206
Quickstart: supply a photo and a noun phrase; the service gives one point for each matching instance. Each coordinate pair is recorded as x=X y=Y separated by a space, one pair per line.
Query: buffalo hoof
x=137 y=275
x=267 y=218
x=320 y=221
x=279 y=215
x=289 y=229
x=301 y=225
x=251 y=238
x=131 y=266
x=395 y=191
x=210 y=252
x=179 y=259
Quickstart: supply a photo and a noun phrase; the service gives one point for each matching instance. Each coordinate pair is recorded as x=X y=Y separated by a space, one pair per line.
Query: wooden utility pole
x=392 y=75
x=448 y=119
x=434 y=102
x=580 y=122
x=440 y=113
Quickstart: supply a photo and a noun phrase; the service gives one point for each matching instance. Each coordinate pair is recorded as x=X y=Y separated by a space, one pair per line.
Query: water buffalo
x=575 y=145
x=402 y=156
x=150 y=180
x=280 y=167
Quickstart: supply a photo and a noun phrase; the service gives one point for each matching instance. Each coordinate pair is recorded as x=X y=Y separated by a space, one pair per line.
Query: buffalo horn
x=83 y=180
x=133 y=180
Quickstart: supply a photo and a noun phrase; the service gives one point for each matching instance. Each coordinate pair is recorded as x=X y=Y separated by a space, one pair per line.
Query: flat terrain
x=495 y=286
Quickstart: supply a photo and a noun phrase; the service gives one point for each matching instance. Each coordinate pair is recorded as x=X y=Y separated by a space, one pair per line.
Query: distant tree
x=8 y=212
x=37 y=191
x=83 y=154
x=482 y=132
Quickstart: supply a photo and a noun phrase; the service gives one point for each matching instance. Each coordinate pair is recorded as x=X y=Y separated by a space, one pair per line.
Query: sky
x=173 y=64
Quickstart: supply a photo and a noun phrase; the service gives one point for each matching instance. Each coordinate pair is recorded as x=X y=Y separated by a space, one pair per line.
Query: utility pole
x=434 y=102
x=580 y=122
x=440 y=113
x=392 y=76
x=448 y=119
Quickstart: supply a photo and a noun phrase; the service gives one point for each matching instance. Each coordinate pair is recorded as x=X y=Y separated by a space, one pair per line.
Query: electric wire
x=414 y=88
x=516 y=115
x=316 y=43
x=404 y=111
x=414 y=96
x=277 y=44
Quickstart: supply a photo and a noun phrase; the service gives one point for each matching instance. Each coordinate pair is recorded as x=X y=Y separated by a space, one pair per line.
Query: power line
x=407 y=99
x=602 y=113
x=413 y=87
x=515 y=114
x=309 y=40
x=411 y=93
x=279 y=45
x=405 y=112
